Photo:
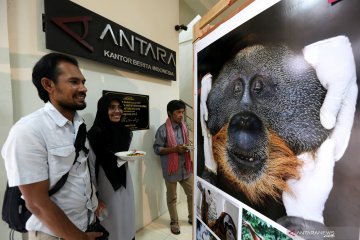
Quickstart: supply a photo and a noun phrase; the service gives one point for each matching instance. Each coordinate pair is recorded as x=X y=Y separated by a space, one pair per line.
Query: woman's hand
x=100 y=208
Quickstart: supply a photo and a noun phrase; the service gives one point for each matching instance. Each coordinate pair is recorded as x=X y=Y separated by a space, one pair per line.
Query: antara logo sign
x=61 y=23
x=145 y=48
x=73 y=29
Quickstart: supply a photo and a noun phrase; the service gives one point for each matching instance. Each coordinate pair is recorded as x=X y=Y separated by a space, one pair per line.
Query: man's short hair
x=47 y=67
x=174 y=105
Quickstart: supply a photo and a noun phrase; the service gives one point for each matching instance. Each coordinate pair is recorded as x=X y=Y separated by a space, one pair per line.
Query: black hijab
x=107 y=138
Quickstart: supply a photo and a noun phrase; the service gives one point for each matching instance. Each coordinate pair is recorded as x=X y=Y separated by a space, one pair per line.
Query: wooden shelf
x=204 y=26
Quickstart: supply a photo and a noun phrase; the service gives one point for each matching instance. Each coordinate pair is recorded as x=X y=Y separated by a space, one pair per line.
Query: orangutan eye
x=237 y=88
x=258 y=85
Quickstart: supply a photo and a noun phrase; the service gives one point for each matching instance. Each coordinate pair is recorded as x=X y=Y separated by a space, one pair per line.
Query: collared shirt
x=40 y=146
x=161 y=141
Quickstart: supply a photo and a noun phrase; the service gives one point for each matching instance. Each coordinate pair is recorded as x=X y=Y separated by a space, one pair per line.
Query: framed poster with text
x=136 y=110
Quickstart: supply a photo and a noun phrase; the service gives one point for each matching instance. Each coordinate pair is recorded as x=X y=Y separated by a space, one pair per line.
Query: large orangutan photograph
x=277 y=121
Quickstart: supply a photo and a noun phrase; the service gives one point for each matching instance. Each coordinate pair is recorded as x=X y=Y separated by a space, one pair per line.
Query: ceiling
x=200 y=6
x=189 y=9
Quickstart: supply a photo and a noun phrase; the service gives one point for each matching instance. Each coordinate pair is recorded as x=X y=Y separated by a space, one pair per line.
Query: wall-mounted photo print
x=202 y=233
x=277 y=121
x=217 y=212
x=254 y=228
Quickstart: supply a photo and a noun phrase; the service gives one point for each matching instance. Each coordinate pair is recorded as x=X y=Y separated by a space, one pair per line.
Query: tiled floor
x=160 y=229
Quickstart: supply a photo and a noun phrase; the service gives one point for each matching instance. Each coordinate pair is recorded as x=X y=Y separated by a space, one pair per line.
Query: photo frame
x=295 y=24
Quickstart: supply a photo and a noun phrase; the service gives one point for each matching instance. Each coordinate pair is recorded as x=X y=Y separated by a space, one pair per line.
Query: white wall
x=186 y=13
x=186 y=73
x=6 y=112
x=152 y=19
x=186 y=66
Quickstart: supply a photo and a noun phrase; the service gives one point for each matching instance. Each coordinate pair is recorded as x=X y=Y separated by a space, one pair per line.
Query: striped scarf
x=173 y=158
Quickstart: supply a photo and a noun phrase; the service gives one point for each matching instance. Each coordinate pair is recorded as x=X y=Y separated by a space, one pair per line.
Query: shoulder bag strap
x=79 y=145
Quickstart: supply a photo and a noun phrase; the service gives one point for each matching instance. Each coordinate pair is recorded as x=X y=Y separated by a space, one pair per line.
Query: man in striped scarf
x=171 y=143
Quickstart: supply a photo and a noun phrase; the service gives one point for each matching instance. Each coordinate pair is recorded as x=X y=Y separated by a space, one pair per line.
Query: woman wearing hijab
x=107 y=136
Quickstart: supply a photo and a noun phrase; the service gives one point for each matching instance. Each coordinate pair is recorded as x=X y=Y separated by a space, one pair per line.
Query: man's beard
x=73 y=107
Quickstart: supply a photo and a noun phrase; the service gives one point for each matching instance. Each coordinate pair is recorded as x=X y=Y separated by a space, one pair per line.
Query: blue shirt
x=161 y=141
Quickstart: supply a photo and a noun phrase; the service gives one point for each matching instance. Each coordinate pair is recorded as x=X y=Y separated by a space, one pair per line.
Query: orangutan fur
x=281 y=165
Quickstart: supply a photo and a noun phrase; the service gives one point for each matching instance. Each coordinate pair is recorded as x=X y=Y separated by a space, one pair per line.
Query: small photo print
x=202 y=233
x=255 y=228
x=216 y=211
